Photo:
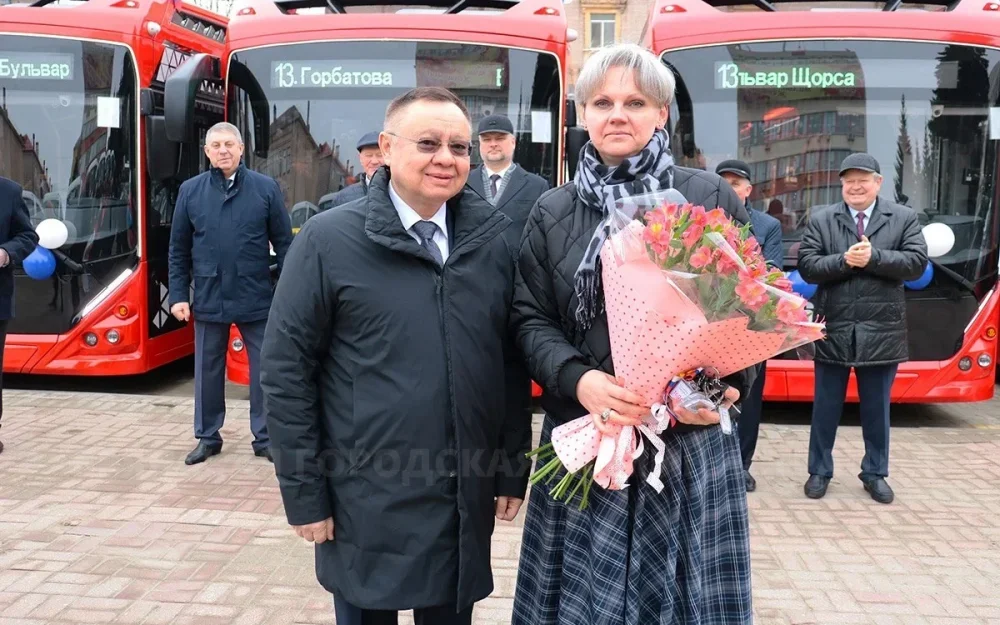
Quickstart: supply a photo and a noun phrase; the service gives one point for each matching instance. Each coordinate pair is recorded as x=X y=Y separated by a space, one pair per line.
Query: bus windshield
x=67 y=136
x=323 y=97
x=928 y=112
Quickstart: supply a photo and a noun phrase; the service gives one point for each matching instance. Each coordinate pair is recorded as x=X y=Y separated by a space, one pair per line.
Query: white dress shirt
x=868 y=215
x=408 y=217
x=501 y=173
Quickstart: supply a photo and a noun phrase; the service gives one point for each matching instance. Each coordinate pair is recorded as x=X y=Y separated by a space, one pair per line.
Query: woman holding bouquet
x=633 y=556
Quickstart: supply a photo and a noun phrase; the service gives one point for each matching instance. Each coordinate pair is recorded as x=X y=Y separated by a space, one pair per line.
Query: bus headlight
x=90 y=339
x=965 y=364
x=984 y=360
x=237 y=345
x=113 y=336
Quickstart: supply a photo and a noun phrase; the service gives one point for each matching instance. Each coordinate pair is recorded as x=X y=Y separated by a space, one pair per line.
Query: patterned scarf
x=602 y=188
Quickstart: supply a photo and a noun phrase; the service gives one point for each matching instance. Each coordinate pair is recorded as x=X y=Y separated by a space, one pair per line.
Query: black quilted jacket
x=558 y=230
x=865 y=309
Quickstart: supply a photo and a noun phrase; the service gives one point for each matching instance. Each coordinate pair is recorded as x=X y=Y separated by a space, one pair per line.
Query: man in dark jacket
x=396 y=438
x=371 y=159
x=223 y=221
x=17 y=240
x=502 y=181
x=859 y=253
x=767 y=231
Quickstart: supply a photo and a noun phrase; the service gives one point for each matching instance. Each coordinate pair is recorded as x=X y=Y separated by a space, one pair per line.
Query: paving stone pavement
x=101 y=522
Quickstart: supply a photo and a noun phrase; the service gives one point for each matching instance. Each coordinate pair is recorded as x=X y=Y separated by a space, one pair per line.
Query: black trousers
x=210 y=344
x=348 y=614
x=874 y=385
x=749 y=423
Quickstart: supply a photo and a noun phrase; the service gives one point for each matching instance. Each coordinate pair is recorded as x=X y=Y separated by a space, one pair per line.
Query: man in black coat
x=396 y=438
x=502 y=181
x=224 y=220
x=767 y=231
x=859 y=252
x=17 y=240
x=371 y=159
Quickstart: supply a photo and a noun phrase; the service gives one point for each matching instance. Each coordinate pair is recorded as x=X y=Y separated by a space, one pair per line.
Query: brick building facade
x=600 y=23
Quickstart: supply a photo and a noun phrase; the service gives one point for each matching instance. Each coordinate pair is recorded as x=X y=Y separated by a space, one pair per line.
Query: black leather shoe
x=264 y=453
x=816 y=486
x=202 y=452
x=879 y=490
x=751 y=483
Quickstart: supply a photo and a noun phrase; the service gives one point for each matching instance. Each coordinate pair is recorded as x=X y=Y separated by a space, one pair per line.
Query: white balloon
x=52 y=233
x=940 y=239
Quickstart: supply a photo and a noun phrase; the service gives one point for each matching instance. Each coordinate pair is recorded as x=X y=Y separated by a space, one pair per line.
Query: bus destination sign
x=397 y=73
x=35 y=66
x=735 y=76
x=327 y=74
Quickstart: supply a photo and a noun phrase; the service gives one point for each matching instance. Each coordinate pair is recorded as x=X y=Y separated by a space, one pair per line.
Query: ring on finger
x=605 y=415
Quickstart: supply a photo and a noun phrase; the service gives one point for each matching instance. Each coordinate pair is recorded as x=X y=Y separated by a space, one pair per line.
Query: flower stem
x=560 y=488
x=544 y=450
x=550 y=468
x=588 y=475
x=579 y=484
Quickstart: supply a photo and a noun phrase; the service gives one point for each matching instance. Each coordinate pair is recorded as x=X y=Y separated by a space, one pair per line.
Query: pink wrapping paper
x=656 y=333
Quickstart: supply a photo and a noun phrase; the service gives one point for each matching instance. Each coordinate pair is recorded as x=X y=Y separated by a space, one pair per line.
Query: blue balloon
x=800 y=286
x=39 y=264
x=923 y=280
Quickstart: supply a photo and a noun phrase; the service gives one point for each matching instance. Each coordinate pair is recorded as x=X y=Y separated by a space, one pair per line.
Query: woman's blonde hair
x=652 y=77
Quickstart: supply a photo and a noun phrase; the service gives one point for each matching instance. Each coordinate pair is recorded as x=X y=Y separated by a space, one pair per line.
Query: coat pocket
x=207 y=289
x=255 y=285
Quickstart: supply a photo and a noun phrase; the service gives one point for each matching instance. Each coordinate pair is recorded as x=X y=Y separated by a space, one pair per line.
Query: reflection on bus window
x=320 y=109
x=794 y=110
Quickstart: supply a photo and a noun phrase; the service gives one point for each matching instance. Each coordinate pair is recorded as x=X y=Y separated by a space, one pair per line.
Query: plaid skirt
x=638 y=557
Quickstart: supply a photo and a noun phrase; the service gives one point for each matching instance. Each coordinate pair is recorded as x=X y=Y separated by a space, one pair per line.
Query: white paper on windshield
x=541 y=127
x=108 y=112
x=994 y=123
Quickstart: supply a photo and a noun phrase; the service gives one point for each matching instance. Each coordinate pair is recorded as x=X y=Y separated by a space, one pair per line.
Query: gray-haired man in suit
x=371 y=159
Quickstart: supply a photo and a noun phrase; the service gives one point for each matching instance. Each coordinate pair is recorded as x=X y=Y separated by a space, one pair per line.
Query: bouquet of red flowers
x=690 y=299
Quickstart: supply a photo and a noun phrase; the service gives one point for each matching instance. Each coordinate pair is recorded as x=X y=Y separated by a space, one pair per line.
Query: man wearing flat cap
x=371 y=159
x=859 y=252
x=500 y=180
x=767 y=231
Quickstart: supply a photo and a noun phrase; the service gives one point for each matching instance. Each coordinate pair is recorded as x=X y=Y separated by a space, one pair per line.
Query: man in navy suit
x=767 y=231
x=17 y=240
x=224 y=219
x=371 y=159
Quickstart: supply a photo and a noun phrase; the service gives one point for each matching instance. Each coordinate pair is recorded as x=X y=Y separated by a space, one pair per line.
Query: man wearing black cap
x=767 y=231
x=859 y=252
x=371 y=160
x=505 y=184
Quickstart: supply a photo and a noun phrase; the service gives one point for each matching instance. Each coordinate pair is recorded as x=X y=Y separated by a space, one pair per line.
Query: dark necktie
x=494 y=182
x=425 y=230
x=861 y=225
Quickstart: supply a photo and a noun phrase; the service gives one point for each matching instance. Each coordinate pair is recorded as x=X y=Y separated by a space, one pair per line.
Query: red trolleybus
x=82 y=131
x=793 y=88
x=306 y=79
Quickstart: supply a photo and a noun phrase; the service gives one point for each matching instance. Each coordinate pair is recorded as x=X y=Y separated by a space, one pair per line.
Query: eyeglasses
x=431 y=146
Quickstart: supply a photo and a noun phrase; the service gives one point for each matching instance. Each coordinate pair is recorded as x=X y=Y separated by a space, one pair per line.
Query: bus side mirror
x=179 y=92
x=162 y=154
x=241 y=76
x=576 y=138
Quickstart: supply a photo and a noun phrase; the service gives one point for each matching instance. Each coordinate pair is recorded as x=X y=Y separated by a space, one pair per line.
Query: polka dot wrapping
x=656 y=332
